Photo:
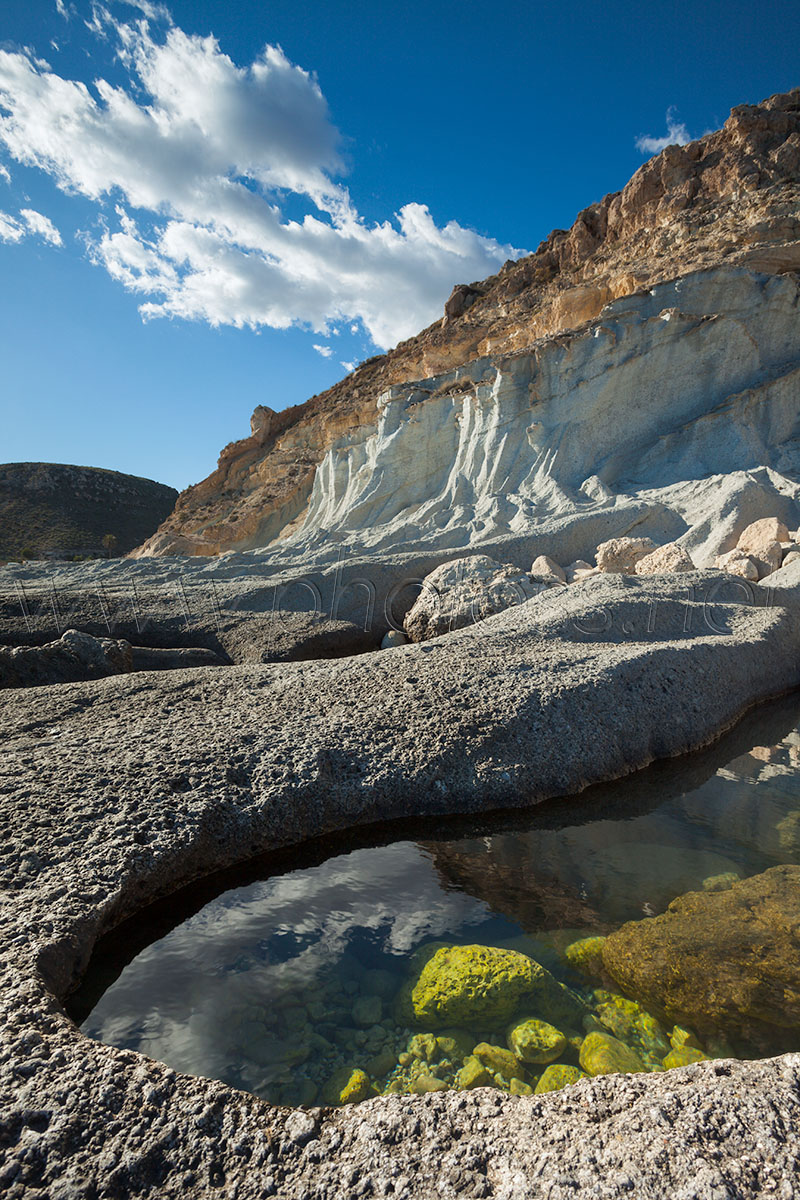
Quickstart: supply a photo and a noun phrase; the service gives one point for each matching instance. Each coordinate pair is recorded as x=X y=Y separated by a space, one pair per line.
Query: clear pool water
x=294 y=985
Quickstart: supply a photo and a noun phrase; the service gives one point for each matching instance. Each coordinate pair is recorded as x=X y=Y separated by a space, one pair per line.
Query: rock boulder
x=620 y=555
x=464 y=591
x=728 y=959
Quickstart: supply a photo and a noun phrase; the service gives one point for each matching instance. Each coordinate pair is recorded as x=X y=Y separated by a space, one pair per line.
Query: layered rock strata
x=479 y=424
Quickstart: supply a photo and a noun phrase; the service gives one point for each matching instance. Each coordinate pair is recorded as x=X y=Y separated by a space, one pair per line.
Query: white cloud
x=42 y=226
x=206 y=150
x=349 y=366
x=325 y=351
x=677 y=135
x=4 y=173
x=11 y=230
x=33 y=224
x=153 y=12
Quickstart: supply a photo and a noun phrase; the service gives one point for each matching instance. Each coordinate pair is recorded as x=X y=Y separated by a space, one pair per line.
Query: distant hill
x=49 y=509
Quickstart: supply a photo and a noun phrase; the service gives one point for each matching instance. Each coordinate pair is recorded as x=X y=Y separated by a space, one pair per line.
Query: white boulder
x=620 y=555
x=736 y=562
x=547 y=568
x=579 y=570
x=669 y=558
x=762 y=542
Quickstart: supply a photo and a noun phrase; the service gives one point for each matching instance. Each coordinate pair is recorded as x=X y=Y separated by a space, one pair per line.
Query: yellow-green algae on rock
x=476 y=986
x=497 y=1058
x=682 y=1056
x=631 y=1023
x=557 y=1076
x=586 y=956
x=473 y=1074
x=348 y=1086
x=536 y=1041
x=602 y=1054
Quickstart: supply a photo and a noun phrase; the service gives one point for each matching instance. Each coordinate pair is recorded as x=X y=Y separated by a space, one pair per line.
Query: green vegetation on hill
x=66 y=511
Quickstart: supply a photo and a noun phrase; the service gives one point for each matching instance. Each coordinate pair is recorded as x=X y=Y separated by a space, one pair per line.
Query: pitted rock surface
x=115 y=791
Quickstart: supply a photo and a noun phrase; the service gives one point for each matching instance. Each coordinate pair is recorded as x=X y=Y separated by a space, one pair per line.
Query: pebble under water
x=335 y=981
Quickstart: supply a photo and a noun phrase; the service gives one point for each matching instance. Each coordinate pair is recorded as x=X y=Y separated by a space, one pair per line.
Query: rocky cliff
x=63 y=511
x=650 y=350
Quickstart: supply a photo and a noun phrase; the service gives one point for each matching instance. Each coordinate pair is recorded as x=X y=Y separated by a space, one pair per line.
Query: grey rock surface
x=114 y=792
x=73 y=657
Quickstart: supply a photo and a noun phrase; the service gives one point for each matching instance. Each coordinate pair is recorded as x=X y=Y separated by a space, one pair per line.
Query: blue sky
x=217 y=225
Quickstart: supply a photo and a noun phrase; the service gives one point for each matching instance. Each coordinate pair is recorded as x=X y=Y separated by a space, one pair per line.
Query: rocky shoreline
x=116 y=791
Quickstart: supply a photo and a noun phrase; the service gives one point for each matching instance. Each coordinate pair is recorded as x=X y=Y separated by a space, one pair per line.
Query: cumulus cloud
x=33 y=224
x=325 y=351
x=42 y=226
x=198 y=156
x=677 y=135
x=11 y=230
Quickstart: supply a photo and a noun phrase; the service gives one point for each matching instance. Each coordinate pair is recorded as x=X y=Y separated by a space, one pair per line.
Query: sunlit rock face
x=685 y=395
x=535 y=367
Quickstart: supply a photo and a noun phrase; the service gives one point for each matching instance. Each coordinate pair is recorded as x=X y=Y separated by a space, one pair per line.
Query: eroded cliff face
x=544 y=378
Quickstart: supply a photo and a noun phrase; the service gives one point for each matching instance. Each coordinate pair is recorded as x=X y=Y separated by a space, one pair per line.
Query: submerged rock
x=788 y=831
x=631 y=1023
x=347 y=1086
x=727 y=959
x=558 y=1076
x=682 y=1056
x=602 y=1054
x=367 y=1011
x=473 y=1074
x=535 y=1041
x=720 y=883
x=497 y=1059
x=476 y=986
x=586 y=956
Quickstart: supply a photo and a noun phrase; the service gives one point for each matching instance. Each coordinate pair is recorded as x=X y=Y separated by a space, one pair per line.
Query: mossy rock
x=720 y=883
x=682 y=1056
x=423 y=1045
x=478 y=986
x=428 y=1083
x=602 y=1054
x=683 y=1037
x=473 y=1074
x=518 y=1087
x=454 y=1044
x=558 y=1076
x=586 y=956
x=535 y=1041
x=497 y=1058
x=629 y=1022
x=695 y=962
x=347 y=1086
